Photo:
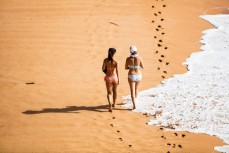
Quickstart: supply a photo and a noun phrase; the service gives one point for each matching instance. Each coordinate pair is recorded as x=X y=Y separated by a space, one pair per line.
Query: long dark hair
x=111 y=52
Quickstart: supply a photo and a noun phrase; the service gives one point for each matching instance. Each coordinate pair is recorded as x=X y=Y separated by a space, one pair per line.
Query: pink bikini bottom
x=111 y=79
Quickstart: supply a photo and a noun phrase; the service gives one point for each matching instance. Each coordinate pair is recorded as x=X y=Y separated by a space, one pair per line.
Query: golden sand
x=53 y=96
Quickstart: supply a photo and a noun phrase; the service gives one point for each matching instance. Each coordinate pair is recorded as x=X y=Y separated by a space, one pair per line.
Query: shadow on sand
x=71 y=109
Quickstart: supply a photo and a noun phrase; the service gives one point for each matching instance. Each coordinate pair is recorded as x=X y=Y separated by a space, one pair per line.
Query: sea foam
x=197 y=101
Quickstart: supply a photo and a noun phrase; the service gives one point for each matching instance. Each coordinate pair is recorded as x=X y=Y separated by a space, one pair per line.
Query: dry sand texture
x=51 y=84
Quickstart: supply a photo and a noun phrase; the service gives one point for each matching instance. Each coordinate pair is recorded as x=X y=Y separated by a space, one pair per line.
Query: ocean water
x=197 y=101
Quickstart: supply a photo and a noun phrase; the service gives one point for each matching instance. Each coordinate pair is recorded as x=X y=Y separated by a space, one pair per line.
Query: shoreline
x=170 y=91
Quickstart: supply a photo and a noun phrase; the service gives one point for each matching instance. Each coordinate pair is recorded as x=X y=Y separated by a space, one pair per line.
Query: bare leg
x=114 y=94
x=136 y=89
x=109 y=92
x=131 y=83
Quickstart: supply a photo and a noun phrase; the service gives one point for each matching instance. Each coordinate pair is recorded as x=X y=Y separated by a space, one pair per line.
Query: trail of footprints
x=168 y=144
x=158 y=21
x=117 y=132
x=173 y=145
x=160 y=47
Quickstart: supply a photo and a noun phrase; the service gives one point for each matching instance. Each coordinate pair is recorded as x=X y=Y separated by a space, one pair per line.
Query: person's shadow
x=70 y=109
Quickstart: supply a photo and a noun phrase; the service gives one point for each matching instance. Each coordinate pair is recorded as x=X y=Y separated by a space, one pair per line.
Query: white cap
x=133 y=49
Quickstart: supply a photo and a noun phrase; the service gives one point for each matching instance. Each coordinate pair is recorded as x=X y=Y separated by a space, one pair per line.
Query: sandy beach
x=53 y=96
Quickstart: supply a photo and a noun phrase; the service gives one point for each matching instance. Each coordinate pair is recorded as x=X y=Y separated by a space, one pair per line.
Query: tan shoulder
x=115 y=62
x=105 y=60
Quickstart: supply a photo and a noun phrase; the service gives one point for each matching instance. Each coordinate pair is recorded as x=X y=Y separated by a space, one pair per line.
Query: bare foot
x=113 y=105
x=110 y=109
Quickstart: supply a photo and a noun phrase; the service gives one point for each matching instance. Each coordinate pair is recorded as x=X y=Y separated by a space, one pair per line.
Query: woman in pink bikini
x=133 y=64
x=110 y=68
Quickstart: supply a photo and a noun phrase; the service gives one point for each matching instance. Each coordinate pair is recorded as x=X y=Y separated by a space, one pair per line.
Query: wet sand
x=53 y=97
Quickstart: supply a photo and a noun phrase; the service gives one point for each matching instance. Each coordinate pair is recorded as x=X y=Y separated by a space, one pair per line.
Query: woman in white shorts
x=133 y=64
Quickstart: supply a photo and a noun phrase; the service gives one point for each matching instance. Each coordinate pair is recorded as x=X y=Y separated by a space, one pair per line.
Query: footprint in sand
x=158 y=68
x=159 y=45
x=147 y=114
x=161 y=128
x=113 y=23
x=155 y=37
x=167 y=63
x=29 y=83
x=152 y=6
x=111 y=125
x=159 y=12
x=180 y=146
x=155 y=14
x=159 y=26
x=168 y=152
x=118 y=131
x=183 y=135
x=166 y=47
x=174 y=145
x=160 y=40
x=120 y=139
x=162 y=56
x=162 y=19
x=157 y=29
x=164 y=5
x=152 y=21
x=160 y=60
x=175 y=134
x=156 y=52
x=168 y=144
x=162 y=76
x=130 y=145
x=162 y=33
x=165 y=72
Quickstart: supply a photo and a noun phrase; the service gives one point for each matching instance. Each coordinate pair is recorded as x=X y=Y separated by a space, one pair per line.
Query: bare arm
x=126 y=65
x=117 y=73
x=141 y=63
x=104 y=65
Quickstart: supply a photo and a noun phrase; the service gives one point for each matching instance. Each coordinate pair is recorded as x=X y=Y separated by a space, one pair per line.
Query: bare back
x=110 y=66
x=134 y=61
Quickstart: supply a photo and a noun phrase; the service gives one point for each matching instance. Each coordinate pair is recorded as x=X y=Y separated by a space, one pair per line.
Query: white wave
x=197 y=101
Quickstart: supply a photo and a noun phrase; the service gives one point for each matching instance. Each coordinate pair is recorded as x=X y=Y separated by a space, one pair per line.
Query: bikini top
x=134 y=66
x=111 y=69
